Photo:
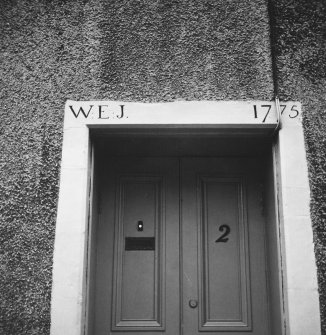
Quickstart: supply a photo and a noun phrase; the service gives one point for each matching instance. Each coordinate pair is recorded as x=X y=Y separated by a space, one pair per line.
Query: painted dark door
x=223 y=249
x=180 y=248
x=137 y=274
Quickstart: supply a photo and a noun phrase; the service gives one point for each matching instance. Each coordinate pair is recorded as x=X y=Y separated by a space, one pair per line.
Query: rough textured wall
x=185 y=50
x=300 y=49
x=45 y=58
x=127 y=50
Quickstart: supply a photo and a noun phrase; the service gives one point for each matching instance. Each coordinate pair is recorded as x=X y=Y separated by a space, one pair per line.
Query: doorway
x=181 y=240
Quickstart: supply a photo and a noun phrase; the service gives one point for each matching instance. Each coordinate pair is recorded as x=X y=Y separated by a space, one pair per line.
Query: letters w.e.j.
x=101 y=111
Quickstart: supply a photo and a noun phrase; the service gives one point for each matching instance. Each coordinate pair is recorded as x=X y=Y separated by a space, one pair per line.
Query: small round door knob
x=193 y=303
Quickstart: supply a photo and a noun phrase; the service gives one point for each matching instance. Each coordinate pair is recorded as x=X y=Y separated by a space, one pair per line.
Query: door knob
x=193 y=303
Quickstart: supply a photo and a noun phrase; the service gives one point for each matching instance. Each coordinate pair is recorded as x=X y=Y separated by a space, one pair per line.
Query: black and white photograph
x=163 y=167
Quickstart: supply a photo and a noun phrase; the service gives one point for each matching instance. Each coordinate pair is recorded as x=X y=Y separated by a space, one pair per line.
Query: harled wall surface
x=300 y=57
x=135 y=51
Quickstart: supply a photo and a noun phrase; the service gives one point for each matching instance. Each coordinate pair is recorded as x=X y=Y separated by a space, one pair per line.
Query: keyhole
x=140 y=226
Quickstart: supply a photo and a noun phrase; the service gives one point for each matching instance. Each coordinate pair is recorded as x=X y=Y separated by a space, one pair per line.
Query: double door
x=180 y=248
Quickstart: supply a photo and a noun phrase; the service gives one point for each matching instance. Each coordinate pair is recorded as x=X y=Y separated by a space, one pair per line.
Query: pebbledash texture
x=145 y=51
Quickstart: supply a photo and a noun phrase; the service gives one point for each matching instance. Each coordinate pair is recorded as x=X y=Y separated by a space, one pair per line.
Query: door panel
x=138 y=274
x=221 y=214
x=223 y=255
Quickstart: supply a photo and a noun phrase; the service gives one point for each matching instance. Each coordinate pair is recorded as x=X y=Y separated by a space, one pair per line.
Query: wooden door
x=181 y=254
x=223 y=249
x=137 y=273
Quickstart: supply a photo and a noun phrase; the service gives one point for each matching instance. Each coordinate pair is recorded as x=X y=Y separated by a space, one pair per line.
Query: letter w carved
x=81 y=110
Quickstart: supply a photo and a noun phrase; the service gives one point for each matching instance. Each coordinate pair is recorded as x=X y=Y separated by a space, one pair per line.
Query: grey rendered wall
x=134 y=51
x=300 y=54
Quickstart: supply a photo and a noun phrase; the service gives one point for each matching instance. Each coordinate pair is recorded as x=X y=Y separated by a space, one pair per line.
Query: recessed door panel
x=223 y=255
x=138 y=276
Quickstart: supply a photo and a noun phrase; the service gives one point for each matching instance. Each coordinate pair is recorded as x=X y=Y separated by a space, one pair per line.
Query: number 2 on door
x=223 y=237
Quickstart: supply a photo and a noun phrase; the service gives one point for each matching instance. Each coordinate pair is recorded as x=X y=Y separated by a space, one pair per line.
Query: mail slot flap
x=139 y=243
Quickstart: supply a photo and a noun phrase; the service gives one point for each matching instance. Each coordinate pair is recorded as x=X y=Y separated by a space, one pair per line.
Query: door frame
x=288 y=167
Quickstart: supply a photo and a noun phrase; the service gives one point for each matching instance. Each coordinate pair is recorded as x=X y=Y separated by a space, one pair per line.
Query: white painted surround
x=301 y=298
